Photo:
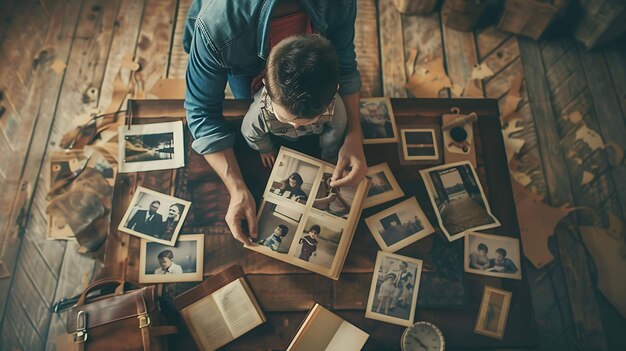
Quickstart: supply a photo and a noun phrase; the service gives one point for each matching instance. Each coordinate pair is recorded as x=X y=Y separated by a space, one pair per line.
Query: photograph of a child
x=493 y=313
x=394 y=289
x=277 y=227
x=147 y=147
x=334 y=201
x=458 y=199
x=181 y=263
x=399 y=225
x=492 y=255
x=318 y=242
x=383 y=186
x=377 y=121
x=155 y=216
x=293 y=179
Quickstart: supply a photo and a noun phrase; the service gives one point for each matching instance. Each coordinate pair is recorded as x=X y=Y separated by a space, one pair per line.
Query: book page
x=347 y=338
x=237 y=308
x=318 y=332
x=206 y=324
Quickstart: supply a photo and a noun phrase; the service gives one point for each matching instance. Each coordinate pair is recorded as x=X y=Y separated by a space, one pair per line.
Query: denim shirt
x=231 y=37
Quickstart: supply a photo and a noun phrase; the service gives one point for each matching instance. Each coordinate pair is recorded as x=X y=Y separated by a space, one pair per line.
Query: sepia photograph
x=383 y=186
x=333 y=201
x=184 y=262
x=293 y=178
x=399 y=225
x=394 y=289
x=318 y=242
x=377 y=121
x=277 y=227
x=154 y=216
x=492 y=255
x=150 y=147
x=458 y=199
x=419 y=144
x=493 y=312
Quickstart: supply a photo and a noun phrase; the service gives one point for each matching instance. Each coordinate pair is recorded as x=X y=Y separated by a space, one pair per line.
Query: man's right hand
x=242 y=209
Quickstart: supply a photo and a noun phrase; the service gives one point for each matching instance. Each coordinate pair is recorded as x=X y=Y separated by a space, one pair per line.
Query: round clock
x=422 y=336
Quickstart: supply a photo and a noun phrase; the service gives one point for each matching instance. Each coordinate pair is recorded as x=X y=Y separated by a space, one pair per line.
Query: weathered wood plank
x=461 y=55
x=26 y=293
x=6 y=10
x=563 y=68
x=583 y=104
x=392 y=45
x=298 y=292
x=503 y=56
x=178 y=57
x=498 y=85
x=367 y=49
x=552 y=50
x=569 y=90
x=615 y=57
x=27 y=335
x=489 y=40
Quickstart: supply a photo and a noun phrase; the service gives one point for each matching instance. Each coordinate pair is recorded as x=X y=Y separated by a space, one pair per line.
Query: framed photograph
x=419 y=144
x=399 y=225
x=278 y=224
x=492 y=255
x=184 y=262
x=318 y=242
x=493 y=312
x=394 y=288
x=293 y=179
x=377 y=121
x=150 y=147
x=333 y=201
x=154 y=216
x=458 y=199
x=383 y=186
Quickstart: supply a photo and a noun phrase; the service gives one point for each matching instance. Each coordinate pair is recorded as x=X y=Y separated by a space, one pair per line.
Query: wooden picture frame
x=377 y=121
x=384 y=186
x=493 y=301
x=196 y=250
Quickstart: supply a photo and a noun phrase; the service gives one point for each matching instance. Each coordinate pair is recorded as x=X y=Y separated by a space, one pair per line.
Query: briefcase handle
x=97 y=285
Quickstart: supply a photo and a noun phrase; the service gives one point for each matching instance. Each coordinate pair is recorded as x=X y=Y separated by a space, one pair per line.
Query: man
x=403 y=282
x=147 y=222
x=501 y=263
x=230 y=41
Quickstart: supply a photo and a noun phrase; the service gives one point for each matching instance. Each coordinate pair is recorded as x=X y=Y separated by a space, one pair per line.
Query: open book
x=220 y=310
x=304 y=221
x=323 y=330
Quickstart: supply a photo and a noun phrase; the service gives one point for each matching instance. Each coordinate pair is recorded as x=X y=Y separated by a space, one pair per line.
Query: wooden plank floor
x=52 y=52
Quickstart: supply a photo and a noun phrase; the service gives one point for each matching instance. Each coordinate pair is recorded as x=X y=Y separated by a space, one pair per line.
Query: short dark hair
x=482 y=247
x=302 y=74
x=404 y=263
x=156 y=202
x=283 y=229
x=166 y=253
x=315 y=228
x=297 y=177
x=501 y=251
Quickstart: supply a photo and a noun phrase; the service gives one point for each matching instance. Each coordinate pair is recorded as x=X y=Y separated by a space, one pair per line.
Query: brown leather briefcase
x=123 y=320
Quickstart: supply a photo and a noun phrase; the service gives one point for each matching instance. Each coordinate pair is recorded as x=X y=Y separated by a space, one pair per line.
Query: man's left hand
x=351 y=165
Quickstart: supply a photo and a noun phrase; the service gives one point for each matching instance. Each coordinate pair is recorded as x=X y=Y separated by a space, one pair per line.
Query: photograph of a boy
x=335 y=201
x=277 y=227
x=386 y=293
x=274 y=240
x=397 y=303
x=168 y=266
x=310 y=60
x=375 y=120
x=318 y=242
x=293 y=179
x=481 y=258
x=161 y=259
x=501 y=263
x=309 y=243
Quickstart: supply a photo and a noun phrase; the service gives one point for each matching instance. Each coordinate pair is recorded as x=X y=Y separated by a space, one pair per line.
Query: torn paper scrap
x=587 y=178
x=481 y=71
x=58 y=66
x=590 y=137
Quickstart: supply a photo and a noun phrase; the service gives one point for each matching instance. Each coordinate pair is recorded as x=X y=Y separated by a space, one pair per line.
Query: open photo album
x=304 y=221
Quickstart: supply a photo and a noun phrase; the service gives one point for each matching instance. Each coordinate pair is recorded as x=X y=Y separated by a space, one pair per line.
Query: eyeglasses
x=295 y=121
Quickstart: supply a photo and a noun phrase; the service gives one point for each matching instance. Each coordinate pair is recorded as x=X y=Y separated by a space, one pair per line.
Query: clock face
x=422 y=336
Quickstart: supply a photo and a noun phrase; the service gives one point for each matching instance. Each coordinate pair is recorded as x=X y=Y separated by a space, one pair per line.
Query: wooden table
x=286 y=292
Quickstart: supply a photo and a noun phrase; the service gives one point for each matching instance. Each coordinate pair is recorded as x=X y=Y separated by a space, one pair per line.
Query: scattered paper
x=513 y=97
x=58 y=66
x=473 y=89
x=512 y=145
x=574 y=117
x=457 y=90
x=428 y=79
x=481 y=71
x=521 y=178
x=587 y=178
x=169 y=89
x=410 y=62
x=590 y=137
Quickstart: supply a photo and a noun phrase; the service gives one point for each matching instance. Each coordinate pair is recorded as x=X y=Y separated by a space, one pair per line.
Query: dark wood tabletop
x=286 y=292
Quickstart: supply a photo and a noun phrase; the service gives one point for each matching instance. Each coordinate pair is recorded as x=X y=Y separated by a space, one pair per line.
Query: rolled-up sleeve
x=342 y=38
x=205 y=81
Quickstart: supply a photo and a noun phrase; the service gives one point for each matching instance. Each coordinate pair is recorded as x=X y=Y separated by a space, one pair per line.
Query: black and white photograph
x=419 y=144
x=277 y=225
x=377 y=121
x=293 y=178
x=493 y=312
x=394 y=289
x=184 y=262
x=399 y=225
x=150 y=147
x=334 y=201
x=154 y=216
x=492 y=255
x=458 y=199
x=318 y=241
x=383 y=186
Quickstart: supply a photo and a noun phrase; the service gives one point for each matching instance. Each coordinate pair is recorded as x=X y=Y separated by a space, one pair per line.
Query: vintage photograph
x=277 y=227
x=149 y=147
x=394 y=289
x=399 y=225
x=184 y=262
x=293 y=178
x=318 y=241
x=334 y=201
x=492 y=255
x=377 y=121
x=458 y=199
x=419 y=144
x=383 y=186
x=154 y=216
x=493 y=312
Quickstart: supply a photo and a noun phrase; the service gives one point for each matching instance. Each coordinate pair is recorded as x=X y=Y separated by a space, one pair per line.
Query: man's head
x=154 y=206
x=403 y=266
x=501 y=255
x=302 y=78
x=165 y=258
